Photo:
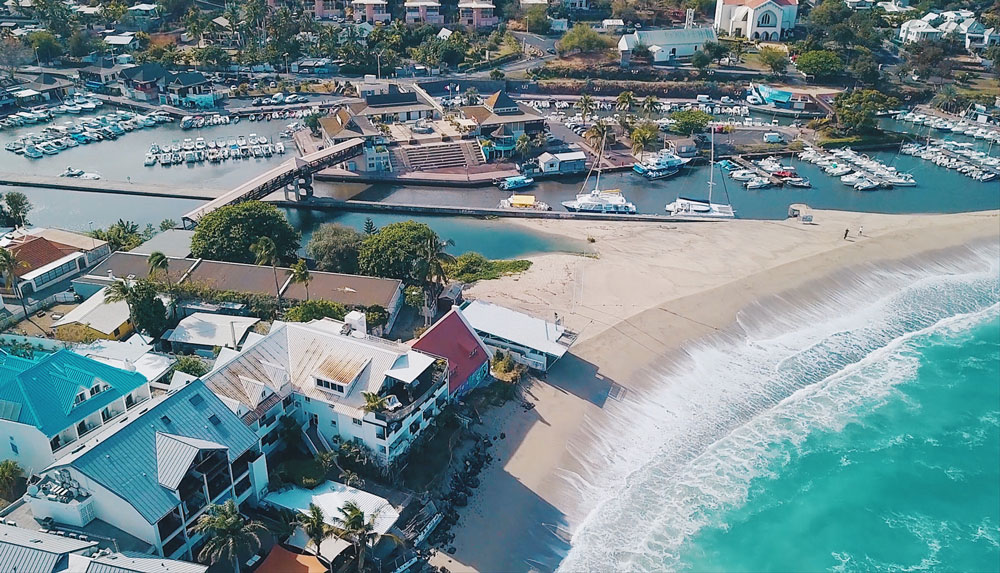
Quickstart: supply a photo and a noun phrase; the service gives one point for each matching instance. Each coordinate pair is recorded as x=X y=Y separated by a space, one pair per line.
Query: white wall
x=34 y=452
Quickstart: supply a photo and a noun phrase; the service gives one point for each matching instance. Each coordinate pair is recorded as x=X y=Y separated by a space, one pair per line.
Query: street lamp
x=286 y=63
x=378 y=63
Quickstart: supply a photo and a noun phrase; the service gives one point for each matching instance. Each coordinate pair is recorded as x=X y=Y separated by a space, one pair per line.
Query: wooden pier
x=112 y=187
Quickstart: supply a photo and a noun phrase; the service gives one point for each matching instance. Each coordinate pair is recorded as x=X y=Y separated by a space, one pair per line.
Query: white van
x=703 y=99
x=773 y=137
x=278 y=98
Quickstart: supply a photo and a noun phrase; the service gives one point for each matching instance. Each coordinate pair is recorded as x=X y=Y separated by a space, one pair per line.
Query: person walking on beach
x=846 y=232
x=861 y=231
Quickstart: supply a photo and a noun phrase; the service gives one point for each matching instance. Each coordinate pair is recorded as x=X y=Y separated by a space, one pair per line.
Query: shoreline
x=526 y=502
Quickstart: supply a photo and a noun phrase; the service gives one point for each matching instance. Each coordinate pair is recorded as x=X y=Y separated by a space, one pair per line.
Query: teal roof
x=41 y=392
x=128 y=462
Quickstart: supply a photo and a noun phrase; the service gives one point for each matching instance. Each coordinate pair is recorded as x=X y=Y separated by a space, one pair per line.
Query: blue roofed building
x=154 y=474
x=50 y=403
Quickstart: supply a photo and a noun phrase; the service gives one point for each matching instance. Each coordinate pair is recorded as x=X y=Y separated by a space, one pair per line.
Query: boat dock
x=112 y=187
x=352 y=205
x=747 y=164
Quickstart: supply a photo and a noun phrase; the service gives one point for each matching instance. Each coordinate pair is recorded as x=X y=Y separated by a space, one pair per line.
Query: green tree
x=228 y=534
x=820 y=63
x=10 y=470
x=373 y=402
x=736 y=51
x=123 y=235
x=701 y=60
x=114 y=11
x=227 y=233
x=265 y=252
x=642 y=136
x=856 y=110
x=715 y=50
x=358 y=529
x=524 y=146
x=396 y=251
x=774 y=60
x=18 y=206
x=45 y=44
x=191 y=364
x=314 y=525
x=9 y=265
x=865 y=69
x=149 y=312
x=159 y=264
x=584 y=39
x=312 y=122
x=79 y=44
x=597 y=135
x=650 y=106
x=335 y=247
x=370 y=228
x=625 y=101
x=301 y=275
x=947 y=97
x=537 y=20
x=586 y=105
x=167 y=224
x=688 y=121
x=315 y=310
x=431 y=265
x=496 y=74
x=121 y=291
x=13 y=54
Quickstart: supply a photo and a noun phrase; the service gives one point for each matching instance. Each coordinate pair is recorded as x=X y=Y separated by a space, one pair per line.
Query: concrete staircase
x=473 y=153
x=423 y=157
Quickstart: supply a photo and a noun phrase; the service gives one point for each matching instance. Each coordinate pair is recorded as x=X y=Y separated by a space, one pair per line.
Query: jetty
x=111 y=187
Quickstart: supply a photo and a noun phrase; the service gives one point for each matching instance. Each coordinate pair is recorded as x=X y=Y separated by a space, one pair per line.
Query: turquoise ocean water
x=861 y=433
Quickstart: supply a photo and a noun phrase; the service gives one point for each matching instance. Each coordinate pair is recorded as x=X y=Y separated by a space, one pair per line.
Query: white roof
x=366 y=2
x=330 y=497
x=206 y=329
x=94 y=312
x=571 y=156
x=418 y=3
x=135 y=356
x=613 y=22
x=475 y=4
x=516 y=327
x=143 y=7
x=444 y=34
x=119 y=40
x=26 y=93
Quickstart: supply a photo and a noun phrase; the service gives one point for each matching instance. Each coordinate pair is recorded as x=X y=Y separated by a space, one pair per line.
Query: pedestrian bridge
x=296 y=173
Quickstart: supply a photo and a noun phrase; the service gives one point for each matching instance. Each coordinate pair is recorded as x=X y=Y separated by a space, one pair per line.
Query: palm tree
x=232 y=15
x=301 y=275
x=625 y=122
x=640 y=139
x=650 y=105
x=431 y=272
x=159 y=263
x=9 y=264
x=228 y=534
x=283 y=525
x=597 y=135
x=121 y=290
x=9 y=472
x=373 y=402
x=266 y=253
x=351 y=479
x=358 y=529
x=946 y=97
x=314 y=524
x=523 y=146
x=625 y=101
x=586 y=105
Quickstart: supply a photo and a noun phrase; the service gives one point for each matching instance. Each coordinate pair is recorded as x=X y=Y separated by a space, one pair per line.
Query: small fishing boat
x=866 y=185
x=150 y=159
x=797 y=182
x=70 y=172
x=524 y=202
x=757 y=183
x=516 y=182
x=743 y=174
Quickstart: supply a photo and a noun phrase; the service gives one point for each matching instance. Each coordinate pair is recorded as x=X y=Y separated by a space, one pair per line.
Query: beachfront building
x=146 y=481
x=342 y=125
x=423 y=12
x=95 y=319
x=142 y=16
x=500 y=121
x=477 y=14
x=531 y=341
x=51 y=403
x=454 y=339
x=665 y=46
x=190 y=89
x=371 y=11
x=756 y=19
x=956 y=26
x=51 y=256
x=202 y=332
x=327 y=374
x=352 y=291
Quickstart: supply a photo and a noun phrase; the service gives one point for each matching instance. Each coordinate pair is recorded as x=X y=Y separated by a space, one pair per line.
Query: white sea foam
x=701 y=427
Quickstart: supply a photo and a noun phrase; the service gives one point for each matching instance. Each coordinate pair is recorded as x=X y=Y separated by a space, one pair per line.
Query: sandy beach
x=647 y=289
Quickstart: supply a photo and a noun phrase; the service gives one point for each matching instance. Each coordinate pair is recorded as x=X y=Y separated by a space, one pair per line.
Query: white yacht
x=686 y=207
x=610 y=202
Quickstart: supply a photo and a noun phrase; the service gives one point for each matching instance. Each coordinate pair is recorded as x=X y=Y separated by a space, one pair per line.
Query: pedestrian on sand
x=846 y=232
x=861 y=231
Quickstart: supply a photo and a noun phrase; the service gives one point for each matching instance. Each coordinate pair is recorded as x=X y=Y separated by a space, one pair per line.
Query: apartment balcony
x=131 y=401
x=420 y=393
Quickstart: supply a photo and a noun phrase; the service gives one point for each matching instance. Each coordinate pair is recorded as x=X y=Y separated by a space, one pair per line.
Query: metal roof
x=125 y=461
x=33 y=551
x=131 y=562
x=206 y=329
x=46 y=389
x=516 y=327
x=172 y=243
x=174 y=455
x=104 y=317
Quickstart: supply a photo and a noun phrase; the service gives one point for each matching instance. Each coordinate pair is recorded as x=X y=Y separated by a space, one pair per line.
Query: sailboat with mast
x=686 y=207
x=610 y=202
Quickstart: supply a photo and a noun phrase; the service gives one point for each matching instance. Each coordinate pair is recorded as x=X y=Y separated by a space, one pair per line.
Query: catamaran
x=598 y=201
x=685 y=207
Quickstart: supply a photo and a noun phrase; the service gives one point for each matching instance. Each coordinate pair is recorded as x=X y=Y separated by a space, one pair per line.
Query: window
x=357 y=421
x=766 y=19
x=80 y=398
x=338 y=388
x=196 y=400
x=98 y=388
x=214 y=420
x=165 y=419
x=13 y=448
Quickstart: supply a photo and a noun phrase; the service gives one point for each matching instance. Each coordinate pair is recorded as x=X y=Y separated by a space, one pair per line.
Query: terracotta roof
x=455 y=340
x=281 y=560
x=36 y=252
x=238 y=277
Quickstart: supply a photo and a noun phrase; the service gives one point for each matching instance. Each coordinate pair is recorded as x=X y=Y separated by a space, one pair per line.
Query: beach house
x=203 y=332
x=337 y=382
x=531 y=341
x=147 y=480
x=95 y=319
x=53 y=402
x=454 y=339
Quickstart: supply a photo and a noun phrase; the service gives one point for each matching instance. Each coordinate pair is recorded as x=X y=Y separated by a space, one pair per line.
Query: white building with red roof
x=756 y=19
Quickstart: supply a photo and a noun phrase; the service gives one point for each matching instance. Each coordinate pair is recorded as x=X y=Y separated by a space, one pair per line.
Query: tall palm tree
x=351 y=479
x=586 y=105
x=121 y=290
x=301 y=275
x=523 y=146
x=358 y=529
x=431 y=271
x=266 y=253
x=946 y=98
x=228 y=534
x=9 y=264
x=9 y=472
x=159 y=263
x=597 y=135
x=640 y=139
x=625 y=122
x=650 y=105
x=625 y=101
x=314 y=524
